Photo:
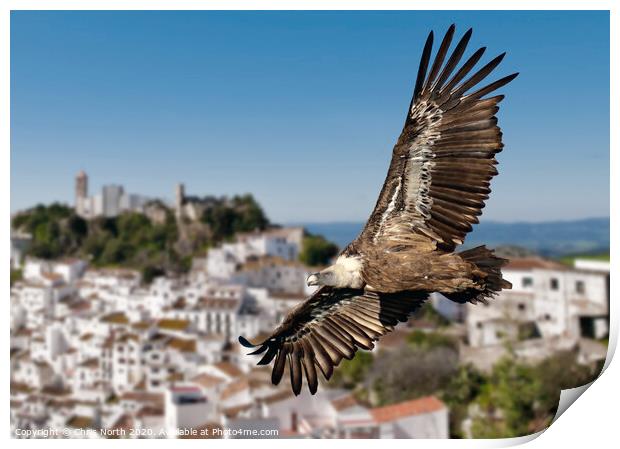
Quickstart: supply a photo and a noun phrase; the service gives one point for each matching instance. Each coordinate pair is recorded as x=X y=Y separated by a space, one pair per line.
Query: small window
x=521 y=306
x=527 y=282
x=547 y=317
x=479 y=324
x=555 y=284
x=580 y=286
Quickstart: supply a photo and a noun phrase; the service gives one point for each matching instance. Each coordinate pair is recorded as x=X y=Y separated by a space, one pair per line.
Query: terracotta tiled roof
x=270 y=261
x=124 y=422
x=115 y=318
x=175 y=377
x=52 y=276
x=23 y=332
x=234 y=387
x=344 y=402
x=279 y=295
x=182 y=345
x=229 y=368
x=219 y=303
x=172 y=324
x=80 y=422
x=156 y=399
x=141 y=325
x=419 y=406
x=279 y=396
x=80 y=305
x=207 y=381
x=90 y=363
x=127 y=337
x=149 y=410
x=529 y=263
x=20 y=387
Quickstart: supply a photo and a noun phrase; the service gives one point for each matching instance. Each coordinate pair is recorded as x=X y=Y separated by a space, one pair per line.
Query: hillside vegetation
x=132 y=239
x=152 y=246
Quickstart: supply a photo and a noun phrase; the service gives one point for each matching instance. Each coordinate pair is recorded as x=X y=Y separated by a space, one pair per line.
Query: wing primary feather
x=278 y=366
x=464 y=70
x=295 y=369
x=360 y=338
x=334 y=354
x=343 y=346
x=335 y=327
x=321 y=357
x=426 y=55
x=479 y=75
x=269 y=355
x=453 y=60
x=308 y=365
x=245 y=343
x=490 y=88
x=439 y=58
x=260 y=350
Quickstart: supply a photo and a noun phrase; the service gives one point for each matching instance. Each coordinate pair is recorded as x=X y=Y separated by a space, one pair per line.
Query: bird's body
x=437 y=182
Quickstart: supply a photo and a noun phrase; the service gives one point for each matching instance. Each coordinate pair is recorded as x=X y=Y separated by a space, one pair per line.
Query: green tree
x=429 y=340
x=461 y=389
x=559 y=372
x=113 y=252
x=512 y=389
x=352 y=372
x=316 y=250
x=16 y=275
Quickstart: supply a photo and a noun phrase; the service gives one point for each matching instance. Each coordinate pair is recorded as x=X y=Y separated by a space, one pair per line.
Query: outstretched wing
x=329 y=326
x=443 y=162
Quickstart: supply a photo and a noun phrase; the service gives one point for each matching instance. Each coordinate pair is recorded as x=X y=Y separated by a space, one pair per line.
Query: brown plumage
x=436 y=186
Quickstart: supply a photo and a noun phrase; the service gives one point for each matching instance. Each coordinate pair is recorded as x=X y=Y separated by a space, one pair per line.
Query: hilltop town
x=98 y=352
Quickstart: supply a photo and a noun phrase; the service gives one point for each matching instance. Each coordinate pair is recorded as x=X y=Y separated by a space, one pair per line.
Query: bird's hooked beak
x=313 y=279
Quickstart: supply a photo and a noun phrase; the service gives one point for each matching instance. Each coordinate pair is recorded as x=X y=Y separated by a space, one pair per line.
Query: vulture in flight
x=435 y=189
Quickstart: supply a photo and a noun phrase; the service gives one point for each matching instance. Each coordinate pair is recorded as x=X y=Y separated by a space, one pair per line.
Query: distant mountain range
x=551 y=238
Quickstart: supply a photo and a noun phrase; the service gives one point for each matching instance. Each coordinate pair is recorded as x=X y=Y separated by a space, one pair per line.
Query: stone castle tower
x=81 y=190
x=179 y=198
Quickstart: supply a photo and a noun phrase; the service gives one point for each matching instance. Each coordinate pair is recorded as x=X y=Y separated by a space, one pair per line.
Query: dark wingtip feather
x=426 y=56
x=295 y=371
x=260 y=350
x=453 y=60
x=268 y=357
x=278 y=366
x=439 y=58
x=245 y=343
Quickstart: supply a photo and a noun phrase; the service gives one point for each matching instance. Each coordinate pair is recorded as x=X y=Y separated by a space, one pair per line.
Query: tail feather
x=491 y=267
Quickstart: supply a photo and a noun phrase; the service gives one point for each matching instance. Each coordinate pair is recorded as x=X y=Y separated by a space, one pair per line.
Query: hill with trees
x=155 y=242
x=135 y=240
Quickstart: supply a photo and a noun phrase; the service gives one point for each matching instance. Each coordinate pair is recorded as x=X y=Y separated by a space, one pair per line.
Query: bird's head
x=323 y=277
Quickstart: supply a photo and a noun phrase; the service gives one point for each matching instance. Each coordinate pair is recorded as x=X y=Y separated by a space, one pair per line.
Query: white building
x=186 y=408
x=547 y=299
x=282 y=243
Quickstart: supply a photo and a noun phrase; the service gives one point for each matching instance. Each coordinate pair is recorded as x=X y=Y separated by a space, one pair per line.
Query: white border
x=591 y=421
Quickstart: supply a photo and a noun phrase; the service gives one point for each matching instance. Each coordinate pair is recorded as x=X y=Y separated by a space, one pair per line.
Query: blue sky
x=299 y=108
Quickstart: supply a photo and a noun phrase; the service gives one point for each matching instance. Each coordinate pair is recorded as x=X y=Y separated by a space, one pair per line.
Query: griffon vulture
x=437 y=183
